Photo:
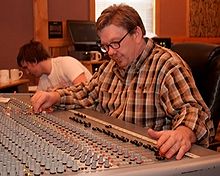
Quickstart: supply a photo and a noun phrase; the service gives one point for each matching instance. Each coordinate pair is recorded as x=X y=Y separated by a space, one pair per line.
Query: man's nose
x=111 y=51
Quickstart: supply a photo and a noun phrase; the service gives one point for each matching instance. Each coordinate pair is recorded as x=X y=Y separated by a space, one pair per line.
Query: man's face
x=31 y=68
x=124 y=53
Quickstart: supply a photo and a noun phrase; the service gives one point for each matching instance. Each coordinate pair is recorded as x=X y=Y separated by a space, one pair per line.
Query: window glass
x=145 y=8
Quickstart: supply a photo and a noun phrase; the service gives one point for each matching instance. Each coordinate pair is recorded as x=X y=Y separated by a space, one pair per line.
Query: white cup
x=16 y=74
x=95 y=55
x=4 y=76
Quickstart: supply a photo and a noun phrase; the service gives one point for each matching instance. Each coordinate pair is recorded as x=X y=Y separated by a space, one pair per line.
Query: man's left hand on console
x=173 y=142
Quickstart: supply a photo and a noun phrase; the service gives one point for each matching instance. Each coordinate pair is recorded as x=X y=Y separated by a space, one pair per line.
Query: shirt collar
x=136 y=64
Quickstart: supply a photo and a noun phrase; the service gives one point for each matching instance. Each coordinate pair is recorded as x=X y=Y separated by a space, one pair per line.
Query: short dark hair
x=32 y=52
x=120 y=15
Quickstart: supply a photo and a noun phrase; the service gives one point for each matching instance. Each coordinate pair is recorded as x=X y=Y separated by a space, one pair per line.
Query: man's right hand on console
x=43 y=100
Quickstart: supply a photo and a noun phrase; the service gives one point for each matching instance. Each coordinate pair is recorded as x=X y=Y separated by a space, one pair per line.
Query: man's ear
x=138 y=34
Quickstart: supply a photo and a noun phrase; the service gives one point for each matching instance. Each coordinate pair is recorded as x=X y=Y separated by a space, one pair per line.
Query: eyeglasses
x=114 y=45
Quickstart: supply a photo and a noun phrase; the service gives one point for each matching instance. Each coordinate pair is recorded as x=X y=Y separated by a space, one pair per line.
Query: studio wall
x=16 y=28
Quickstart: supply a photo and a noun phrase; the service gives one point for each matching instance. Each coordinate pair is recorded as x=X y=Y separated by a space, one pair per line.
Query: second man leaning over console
x=53 y=73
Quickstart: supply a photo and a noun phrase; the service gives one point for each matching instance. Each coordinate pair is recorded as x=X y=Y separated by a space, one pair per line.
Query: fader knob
x=78 y=155
x=88 y=161
x=94 y=164
x=75 y=167
x=83 y=158
x=139 y=159
x=60 y=167
x=106 y=163
x=132 y=157
x=69 y=163
x=53 y=167
x=126 y=154
x=48 y=164
x=12 y=170
x=101 y=159
x=37 y=170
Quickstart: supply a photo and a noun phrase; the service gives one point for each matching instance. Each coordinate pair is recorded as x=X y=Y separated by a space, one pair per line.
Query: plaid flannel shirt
x=156 y=91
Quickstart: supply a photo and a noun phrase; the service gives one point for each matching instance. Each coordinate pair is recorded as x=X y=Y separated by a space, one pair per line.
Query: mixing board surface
x=82 y=142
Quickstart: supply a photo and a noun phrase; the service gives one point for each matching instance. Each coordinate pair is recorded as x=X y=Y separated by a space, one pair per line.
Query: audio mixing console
x=85 y=142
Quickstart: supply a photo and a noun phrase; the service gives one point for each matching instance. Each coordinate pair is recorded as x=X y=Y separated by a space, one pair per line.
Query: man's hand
x=171 y=142
x=43 y=100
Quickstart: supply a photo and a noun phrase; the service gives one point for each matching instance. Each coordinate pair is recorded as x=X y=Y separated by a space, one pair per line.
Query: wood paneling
x=171 y=18
x=92 y=10
x=40 y=14
x=204 y=18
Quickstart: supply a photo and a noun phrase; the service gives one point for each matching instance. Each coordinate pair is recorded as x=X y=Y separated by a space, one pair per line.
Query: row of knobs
x=34 y=152
x=113 y=135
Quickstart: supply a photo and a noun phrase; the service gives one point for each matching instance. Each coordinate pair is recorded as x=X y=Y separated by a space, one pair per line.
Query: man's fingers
x=165 y=143
x=171 y=150
x=183 y=149
x=154 y=134
x=38 y=101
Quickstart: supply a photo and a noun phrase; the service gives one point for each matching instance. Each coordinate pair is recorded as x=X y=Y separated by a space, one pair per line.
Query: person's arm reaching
x=73 y=96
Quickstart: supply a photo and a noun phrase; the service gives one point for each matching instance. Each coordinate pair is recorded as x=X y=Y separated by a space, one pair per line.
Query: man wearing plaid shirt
x=143 y=83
